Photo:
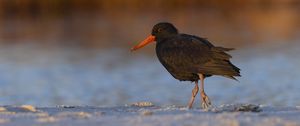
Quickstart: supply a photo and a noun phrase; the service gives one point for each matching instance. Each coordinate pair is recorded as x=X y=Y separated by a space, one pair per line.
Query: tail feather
x=231 y=77
x=220 y=68
x=221 y=49
x=220 y=53
x=220 y=64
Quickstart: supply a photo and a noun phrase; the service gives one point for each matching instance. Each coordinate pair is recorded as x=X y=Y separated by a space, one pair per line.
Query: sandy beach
x=128 y=115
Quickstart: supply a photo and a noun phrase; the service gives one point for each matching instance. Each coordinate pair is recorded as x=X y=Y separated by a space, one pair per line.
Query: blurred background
x=76 y=52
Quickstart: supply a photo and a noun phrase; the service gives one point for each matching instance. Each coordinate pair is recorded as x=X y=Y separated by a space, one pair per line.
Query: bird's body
x=184 y=56
x=190 y=58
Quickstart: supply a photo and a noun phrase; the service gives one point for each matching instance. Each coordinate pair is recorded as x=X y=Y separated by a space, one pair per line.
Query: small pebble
x=2 y=109
x=142 y=104
x=28 y=108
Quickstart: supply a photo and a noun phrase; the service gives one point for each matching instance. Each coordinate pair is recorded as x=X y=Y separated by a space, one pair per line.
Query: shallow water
x=55 y=76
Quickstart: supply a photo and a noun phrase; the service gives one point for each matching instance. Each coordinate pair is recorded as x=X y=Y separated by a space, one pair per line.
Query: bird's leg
x=204 y=98
x=194 y=93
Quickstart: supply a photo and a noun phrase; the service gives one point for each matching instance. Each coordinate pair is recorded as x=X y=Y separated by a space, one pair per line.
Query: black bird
x=190 y=58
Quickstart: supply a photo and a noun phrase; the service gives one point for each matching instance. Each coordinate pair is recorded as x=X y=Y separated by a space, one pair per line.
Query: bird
x=190 y=58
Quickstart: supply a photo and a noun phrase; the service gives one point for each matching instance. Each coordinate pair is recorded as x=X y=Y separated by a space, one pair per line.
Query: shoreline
x=226 y=115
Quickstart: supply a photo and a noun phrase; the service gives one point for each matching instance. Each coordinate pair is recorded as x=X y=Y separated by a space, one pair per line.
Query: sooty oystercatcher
x=190 y=58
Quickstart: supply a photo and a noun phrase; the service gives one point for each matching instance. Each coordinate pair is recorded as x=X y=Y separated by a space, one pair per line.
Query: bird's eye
x=159 y=29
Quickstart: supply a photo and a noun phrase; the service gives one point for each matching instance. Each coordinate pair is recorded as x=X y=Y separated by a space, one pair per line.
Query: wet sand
x=129 y=115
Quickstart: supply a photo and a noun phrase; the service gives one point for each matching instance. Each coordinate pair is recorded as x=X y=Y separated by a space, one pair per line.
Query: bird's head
x=164 y=29
x=159 y=31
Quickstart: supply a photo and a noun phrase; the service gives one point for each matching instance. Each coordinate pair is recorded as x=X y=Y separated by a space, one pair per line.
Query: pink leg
x=194 y=93
x=204 y=98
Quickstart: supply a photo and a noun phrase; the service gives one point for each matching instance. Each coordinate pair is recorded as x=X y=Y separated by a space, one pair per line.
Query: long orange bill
x=148 y=40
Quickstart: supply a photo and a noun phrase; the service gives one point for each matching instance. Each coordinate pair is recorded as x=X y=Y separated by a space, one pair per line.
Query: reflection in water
x=31 y=75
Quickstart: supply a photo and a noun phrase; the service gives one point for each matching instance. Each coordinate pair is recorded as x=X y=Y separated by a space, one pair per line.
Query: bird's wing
x=203 y=40
x=186 y=55
x=196 y=56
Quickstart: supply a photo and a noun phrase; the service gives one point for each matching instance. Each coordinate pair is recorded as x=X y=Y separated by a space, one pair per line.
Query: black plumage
x=188 y=57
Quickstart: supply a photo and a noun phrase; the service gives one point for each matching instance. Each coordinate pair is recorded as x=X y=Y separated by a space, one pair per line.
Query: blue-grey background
x=77 y=53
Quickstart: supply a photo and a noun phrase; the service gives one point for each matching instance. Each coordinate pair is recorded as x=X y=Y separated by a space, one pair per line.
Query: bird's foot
x=205 y=101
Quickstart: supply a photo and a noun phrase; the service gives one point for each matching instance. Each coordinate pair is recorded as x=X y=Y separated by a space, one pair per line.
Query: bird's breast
x=168 y=55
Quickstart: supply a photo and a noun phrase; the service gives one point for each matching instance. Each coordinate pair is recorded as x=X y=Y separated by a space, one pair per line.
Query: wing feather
x=192 y=54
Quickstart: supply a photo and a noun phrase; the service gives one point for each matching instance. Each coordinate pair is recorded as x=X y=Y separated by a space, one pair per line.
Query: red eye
x=159 y=30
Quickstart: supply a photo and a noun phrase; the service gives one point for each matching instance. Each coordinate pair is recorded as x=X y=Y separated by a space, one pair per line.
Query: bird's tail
x=237 y=72
x=220 y=64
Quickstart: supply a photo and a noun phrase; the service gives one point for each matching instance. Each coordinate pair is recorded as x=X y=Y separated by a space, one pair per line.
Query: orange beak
x=148 y=40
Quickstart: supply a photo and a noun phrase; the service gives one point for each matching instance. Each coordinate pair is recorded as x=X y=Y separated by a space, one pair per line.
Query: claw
x=205 y=101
